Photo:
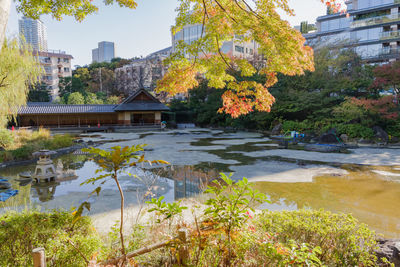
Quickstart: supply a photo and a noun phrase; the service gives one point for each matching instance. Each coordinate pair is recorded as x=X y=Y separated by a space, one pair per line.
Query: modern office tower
x=235 y=47
x=104 y=52
x=56 y=64
x=34 y=32
x=371 y=27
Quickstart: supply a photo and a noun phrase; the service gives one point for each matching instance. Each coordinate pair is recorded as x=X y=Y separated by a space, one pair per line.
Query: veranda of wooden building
x=139 y=109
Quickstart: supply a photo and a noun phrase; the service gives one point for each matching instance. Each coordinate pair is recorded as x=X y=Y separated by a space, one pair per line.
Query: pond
x=364 y=182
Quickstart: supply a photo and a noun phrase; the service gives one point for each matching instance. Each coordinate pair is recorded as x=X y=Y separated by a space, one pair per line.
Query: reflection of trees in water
x=74 y=162
x=365 y=195
x=188 y=180
x=44 y=191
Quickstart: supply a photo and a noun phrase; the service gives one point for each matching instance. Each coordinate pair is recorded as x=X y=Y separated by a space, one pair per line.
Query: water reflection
x=366 y=195
x=189 y=181
x=44 y=191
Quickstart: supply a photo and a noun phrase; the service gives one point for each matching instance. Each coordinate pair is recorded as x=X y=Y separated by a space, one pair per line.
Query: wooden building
x=141 y=108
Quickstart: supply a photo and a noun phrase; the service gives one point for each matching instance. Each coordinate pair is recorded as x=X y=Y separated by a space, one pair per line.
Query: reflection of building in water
x=44 y=191
x=189 y=181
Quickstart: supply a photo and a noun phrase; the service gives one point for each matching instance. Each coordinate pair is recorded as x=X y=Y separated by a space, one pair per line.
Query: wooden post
x=39 y=258
x=183 y=251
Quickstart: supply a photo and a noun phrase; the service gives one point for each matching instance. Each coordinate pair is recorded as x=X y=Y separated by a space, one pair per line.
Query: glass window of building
x=239 y=48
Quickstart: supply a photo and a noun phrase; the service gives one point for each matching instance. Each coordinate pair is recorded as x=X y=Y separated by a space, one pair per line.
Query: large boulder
x=5 y=185
x=380 y=134
x=344 y=137
x=329 y=137
x=277 y=129
x=389 y=249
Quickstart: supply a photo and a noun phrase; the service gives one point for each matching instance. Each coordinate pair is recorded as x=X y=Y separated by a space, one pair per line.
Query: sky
x=137 y=32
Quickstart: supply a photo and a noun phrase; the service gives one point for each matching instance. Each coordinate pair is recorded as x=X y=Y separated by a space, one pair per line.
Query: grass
x=20 y=145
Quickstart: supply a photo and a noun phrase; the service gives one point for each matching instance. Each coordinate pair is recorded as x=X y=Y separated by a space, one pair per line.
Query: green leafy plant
x=6 y=138
x=20 y=232
x=229 y=204
x=111 y=164
x=165 y=211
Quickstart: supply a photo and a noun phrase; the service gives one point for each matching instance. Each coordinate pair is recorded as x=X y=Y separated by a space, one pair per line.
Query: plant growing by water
x=229 y=205
x=111 y=164
x=165 y=211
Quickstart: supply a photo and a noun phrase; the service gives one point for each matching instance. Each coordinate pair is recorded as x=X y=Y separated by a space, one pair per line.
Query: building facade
x=34 y=32
x=104 y=52
x=236 y=47
x=56 y=64
x=142 y=73
x=370 y=27
x=139 y=109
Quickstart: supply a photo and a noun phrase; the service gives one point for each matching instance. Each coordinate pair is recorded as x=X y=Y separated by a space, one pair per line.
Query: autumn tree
x=281 y=46
x=387 y=77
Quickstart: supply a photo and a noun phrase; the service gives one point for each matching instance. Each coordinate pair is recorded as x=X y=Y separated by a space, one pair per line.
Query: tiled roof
x=42 y=108
x=141 y=106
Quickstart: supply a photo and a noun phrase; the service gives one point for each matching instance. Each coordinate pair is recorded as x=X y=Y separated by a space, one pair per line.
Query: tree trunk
x=4 y=13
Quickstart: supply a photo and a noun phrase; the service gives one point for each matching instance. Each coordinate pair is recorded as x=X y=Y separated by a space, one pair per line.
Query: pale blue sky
x=134 y=32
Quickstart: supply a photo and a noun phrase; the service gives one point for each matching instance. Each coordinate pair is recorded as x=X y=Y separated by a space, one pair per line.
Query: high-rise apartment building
x=34 y=32
x=236 y=47
x=104 y=52
x=371 y=27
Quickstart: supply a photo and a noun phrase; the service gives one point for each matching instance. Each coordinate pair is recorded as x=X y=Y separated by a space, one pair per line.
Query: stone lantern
x=45 y=170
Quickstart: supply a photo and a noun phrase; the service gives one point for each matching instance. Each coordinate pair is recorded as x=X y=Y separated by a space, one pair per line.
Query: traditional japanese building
x=139 y=109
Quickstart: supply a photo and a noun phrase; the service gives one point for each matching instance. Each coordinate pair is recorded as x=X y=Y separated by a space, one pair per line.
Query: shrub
x=24 y=152
x=59 y=141
x=24 y=231
x=342 y=239
x=6 y=138
x=355 y=130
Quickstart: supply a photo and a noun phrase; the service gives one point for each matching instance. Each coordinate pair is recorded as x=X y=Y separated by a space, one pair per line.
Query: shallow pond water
x=365 y=182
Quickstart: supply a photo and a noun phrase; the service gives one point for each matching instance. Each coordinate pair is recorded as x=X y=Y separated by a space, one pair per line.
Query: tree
x=68 y=85
x=387 y=77
x=281 y=46
x=39 y=93
x=18 y=69
x=113 y=100
x=76 y=99
x=92 y=99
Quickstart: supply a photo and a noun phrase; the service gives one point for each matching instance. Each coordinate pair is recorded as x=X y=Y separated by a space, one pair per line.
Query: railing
x=389 y=35
x=386 y=52
x=375 y=20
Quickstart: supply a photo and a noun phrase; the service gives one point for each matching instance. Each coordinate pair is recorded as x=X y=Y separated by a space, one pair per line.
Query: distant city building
x=34 y=32
x=370 y=27
x=56 y=64
x=104 y=52
x=142 y=73
x=236 y=47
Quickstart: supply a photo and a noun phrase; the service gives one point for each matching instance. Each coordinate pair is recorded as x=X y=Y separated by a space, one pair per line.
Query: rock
x=90 y=143
x=5 y=185
x=380 y=134
x=277 y=129
x=329 y=137
x=344 y=137
x=389 y=249
x=364 y=141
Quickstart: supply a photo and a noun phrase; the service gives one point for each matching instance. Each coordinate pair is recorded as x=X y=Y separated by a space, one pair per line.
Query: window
x=239 y=49
x=66 y=69
x=251 y=51
x=66 y=60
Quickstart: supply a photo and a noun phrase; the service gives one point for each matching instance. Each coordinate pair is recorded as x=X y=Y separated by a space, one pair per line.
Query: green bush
x=24 y=231
x=24 y=152
x=355 y=131
x=59 y=141
x=6 y=138
x=300 y=126
x=342 y=239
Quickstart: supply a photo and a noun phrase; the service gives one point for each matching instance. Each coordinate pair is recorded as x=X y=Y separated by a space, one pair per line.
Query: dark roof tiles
x=35 y=108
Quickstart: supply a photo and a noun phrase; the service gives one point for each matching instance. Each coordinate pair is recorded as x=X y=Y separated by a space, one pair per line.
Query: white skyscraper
x=104 y=53
x=35 y=33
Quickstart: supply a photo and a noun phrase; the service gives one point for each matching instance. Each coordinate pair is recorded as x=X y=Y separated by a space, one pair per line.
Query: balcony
x=383 y=53
x=375 y=20
x=389 y=35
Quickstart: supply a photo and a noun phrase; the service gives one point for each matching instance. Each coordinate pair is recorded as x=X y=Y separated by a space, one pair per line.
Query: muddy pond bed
x=364 y=182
